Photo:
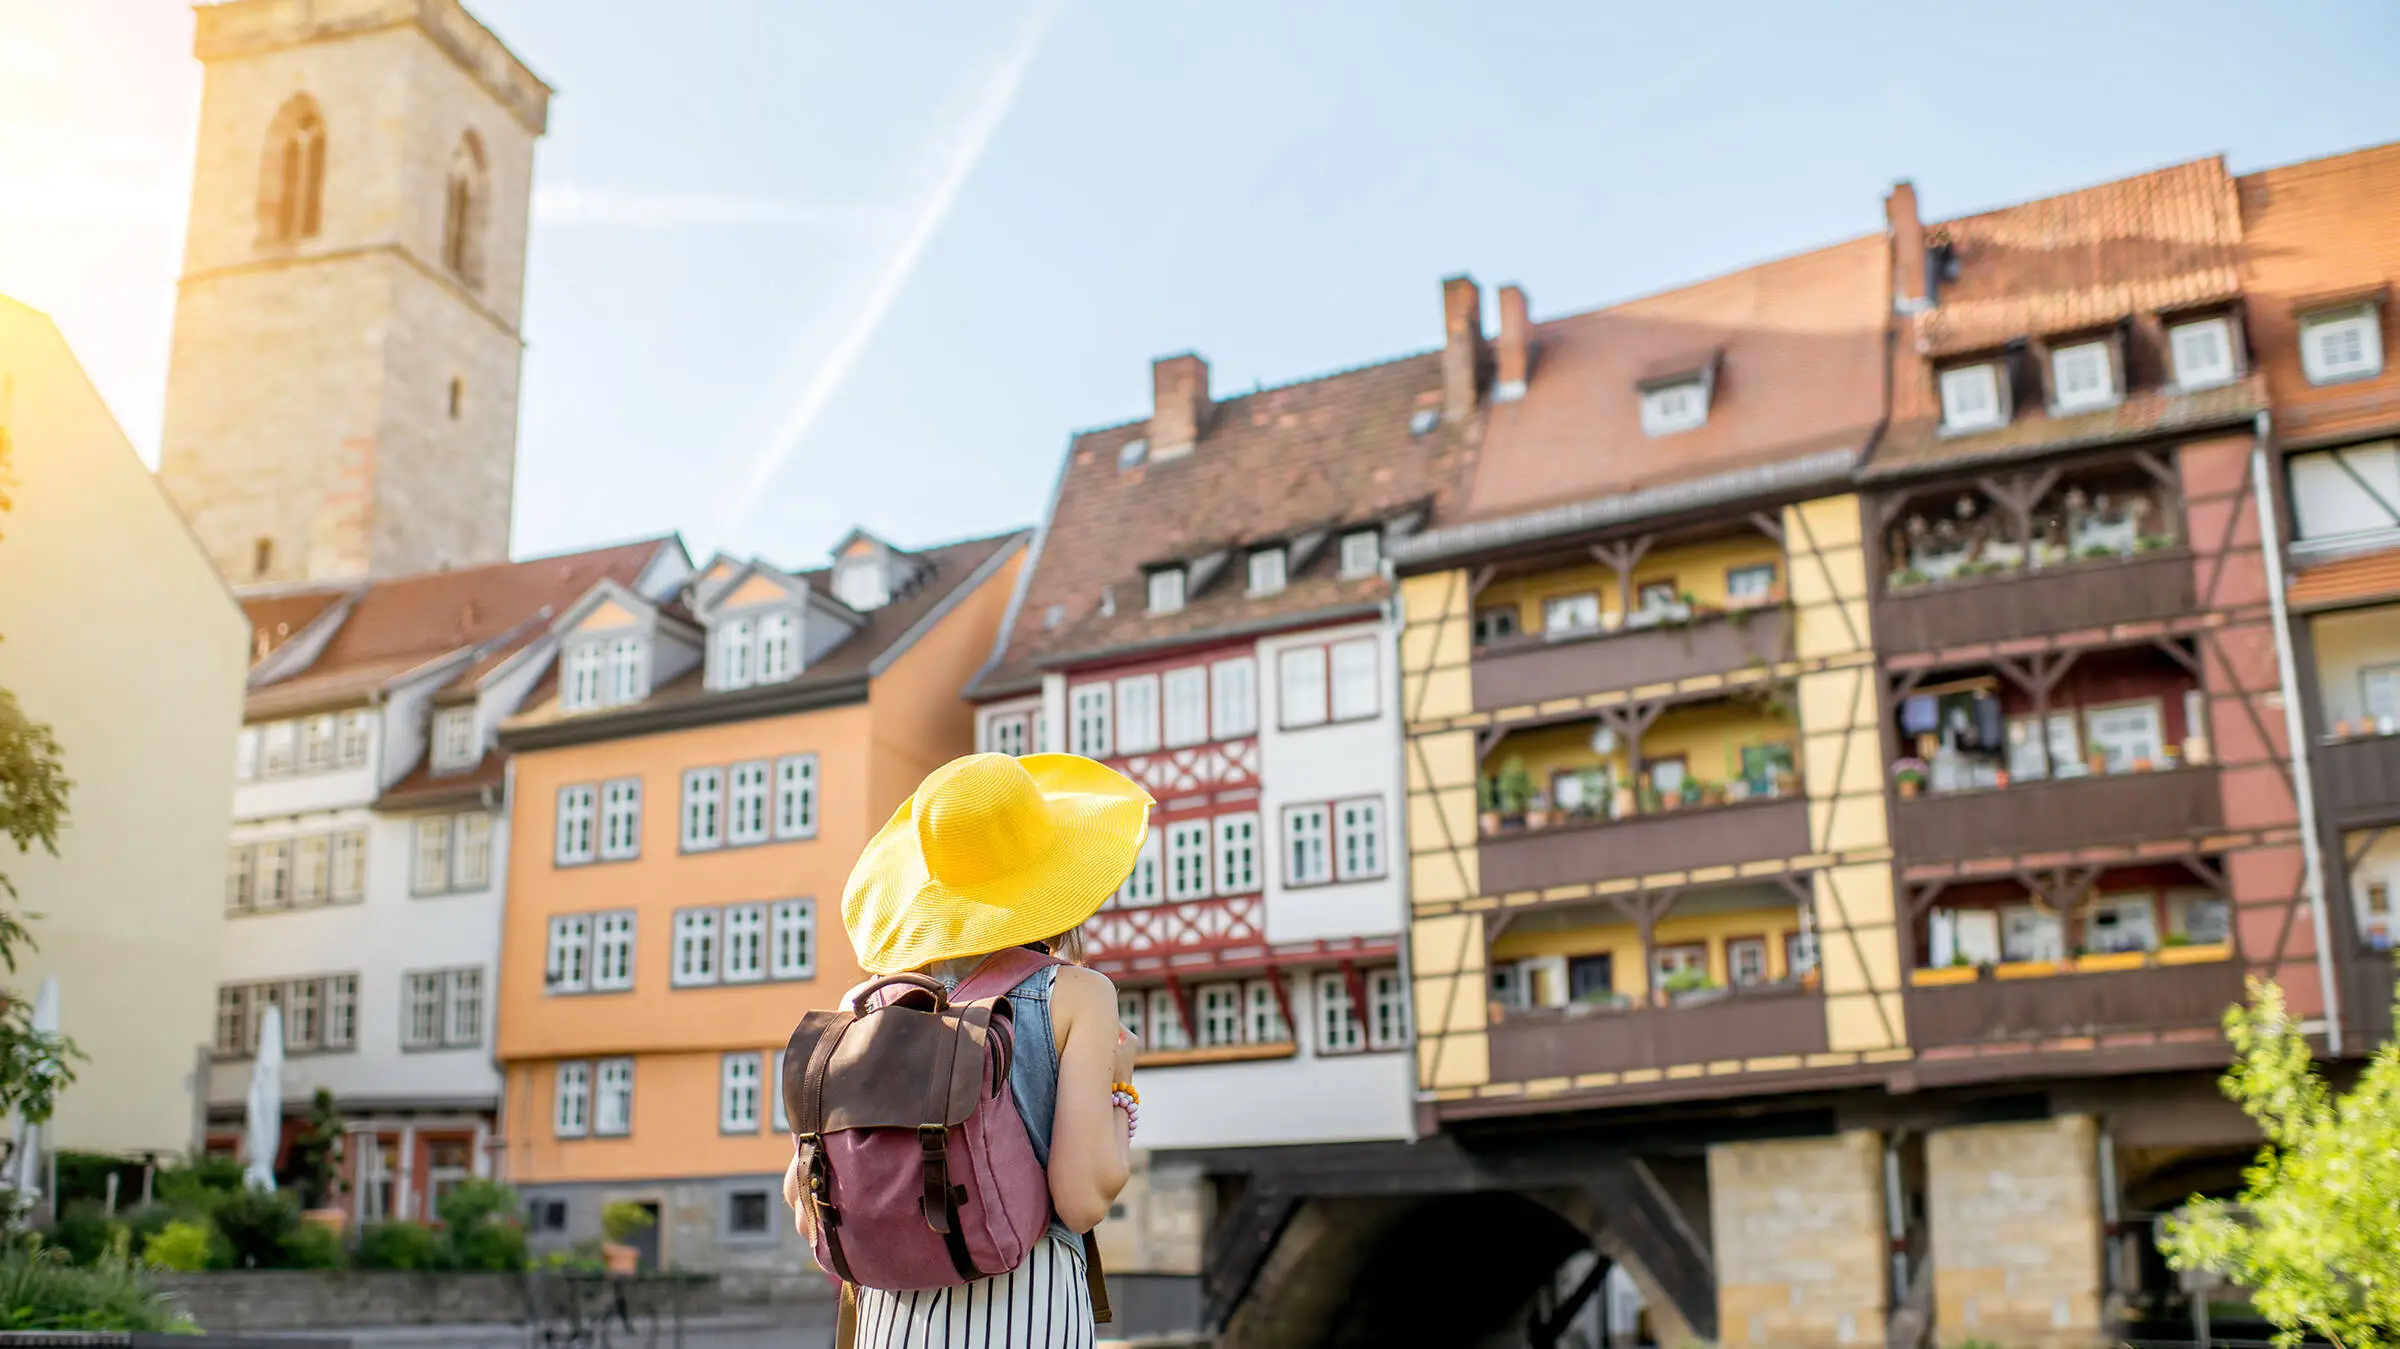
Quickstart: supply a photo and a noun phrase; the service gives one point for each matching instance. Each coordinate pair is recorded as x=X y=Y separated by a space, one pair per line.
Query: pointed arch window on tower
x=463 y=210
x=291 y=180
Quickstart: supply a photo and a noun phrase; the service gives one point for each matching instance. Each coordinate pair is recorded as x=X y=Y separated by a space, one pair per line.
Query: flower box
x=2195 y=955
x=2030 y=969
x=2109 y=961
x=1947 y=974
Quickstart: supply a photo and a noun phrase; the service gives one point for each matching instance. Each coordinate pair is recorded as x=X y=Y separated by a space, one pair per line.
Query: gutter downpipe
x=2295 y=727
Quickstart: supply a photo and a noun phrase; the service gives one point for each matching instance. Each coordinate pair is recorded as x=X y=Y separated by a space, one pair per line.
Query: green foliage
x=405 y=1246
x=84 y=1232
x=2315 y=1237
x=40 y=1291
x=202 y=1185
x=84 y=1175
x=180 y=1246
x=1514 y=787
x=1689 y=981
x=256 y=1225
x=313 y=1246
x=145 y=1221
x=480 y=1218
x=317 y=1153
x=623 y=1220
x=582 y=1258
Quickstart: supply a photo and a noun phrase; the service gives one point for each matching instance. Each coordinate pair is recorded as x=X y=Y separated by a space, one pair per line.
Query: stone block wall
x=1160 y=1221
x=1800 y=1246
x=2014 y=1215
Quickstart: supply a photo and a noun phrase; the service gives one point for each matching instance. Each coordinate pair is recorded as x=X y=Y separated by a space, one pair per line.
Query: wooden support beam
x=2208 y=873
x=1239 y=1248
x=1476 y=583
x=1280 y=986
x=1487 y=739
x=1356 y=982
x=1768 y=525
x=2353 y=856
x=2173 y=647
x=1495 y=925
x=1921 y=897
x=1639 y=1211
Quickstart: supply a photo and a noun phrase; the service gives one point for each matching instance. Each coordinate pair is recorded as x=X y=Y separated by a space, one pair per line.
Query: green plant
x=480 y=1219
x=202 y=1185
x=256 y=1225
x=2097 y=550
x=180 y=1246
x=404 y=1246
x=2176 y=939
x=1591 y=788
x=583 y=1257
x=2151 y=543
x=2314 y=1237
x=148 y=1220
x=624 y=1220
x=1514 y=786
x=313 y=1246
x=41 y=1291
x=317 y=1153
x=1909 y=576
x=84 y=1232
x=1689 y=981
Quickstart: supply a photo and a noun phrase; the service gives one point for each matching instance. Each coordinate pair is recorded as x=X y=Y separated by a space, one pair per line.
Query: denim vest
x=1033 y=1070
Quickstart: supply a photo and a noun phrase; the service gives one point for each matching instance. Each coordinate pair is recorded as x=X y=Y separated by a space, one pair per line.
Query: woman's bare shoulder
x=1080 y=990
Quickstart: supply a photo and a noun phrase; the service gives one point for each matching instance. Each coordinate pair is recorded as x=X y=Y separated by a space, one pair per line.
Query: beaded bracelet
x=1125 y=1098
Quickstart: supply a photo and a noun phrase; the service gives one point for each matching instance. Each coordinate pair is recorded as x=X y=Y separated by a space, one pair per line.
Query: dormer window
x=454 y=747
x=2203 y=352
x=1362 y=552
x=2082 y=377
x=1971 y=398
x=758 y=649
x=611 y=672
x=736 y=641
x=1677 y=406
x=1166 y=590
x=1266 y=571
x=2341 y=344
x=862 y=583
x=778 y=647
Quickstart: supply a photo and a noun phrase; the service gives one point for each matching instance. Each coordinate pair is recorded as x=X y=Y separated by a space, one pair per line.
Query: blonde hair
x=1067 y=946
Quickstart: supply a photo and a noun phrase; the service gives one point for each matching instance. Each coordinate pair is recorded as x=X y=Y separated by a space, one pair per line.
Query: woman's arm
x=1090 y=1152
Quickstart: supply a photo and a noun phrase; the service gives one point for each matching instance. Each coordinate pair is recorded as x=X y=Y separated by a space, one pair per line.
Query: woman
x=990 y=853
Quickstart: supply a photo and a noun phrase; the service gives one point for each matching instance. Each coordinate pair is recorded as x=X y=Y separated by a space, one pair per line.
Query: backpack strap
x=1096 y=1278
x=1002 y=971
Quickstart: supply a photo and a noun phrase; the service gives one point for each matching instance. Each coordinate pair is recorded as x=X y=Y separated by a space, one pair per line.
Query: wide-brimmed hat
x=992 y=852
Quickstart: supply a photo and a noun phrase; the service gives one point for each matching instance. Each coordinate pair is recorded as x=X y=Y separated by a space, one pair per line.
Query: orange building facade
x=691 y=791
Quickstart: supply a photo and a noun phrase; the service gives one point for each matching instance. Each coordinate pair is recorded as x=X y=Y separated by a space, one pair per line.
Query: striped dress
x=1043 y=1303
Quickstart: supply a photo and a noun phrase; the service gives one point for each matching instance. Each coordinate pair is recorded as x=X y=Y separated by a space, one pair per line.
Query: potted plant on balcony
x=1512 y=791
x=1487 y=804
x=620 y=1222
x=1537 y=810
x=1910 y=774
x=2095 y=758
x=1591 y=795
x=1688 y=987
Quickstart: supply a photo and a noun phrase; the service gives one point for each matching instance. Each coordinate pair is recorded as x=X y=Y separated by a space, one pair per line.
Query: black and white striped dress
x=1041 y=1304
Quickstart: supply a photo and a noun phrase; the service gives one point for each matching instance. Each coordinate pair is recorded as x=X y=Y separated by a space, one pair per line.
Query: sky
x=799 y=265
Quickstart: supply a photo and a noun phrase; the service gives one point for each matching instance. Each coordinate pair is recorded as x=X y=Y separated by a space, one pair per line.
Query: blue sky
x=801 y=264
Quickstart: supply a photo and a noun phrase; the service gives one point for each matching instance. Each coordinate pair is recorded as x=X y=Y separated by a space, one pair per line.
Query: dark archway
x=1456 y=1271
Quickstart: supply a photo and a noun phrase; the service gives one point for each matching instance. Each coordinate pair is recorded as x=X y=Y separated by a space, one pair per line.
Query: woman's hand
x=1129 y=1048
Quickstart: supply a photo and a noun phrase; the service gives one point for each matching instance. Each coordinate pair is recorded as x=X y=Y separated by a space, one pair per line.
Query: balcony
x=1527 y=1045
x=2058 y=815
x=1988 y=1009
x=2360 y=779
x=1537 y=667
x=1577 y=852
x=2066 y=598
x=1168 y=936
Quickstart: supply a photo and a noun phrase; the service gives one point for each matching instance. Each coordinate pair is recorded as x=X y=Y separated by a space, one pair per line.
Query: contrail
x=964 y=148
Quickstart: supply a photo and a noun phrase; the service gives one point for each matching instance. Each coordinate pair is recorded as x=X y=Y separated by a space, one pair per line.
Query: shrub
x=179 y=1246
x=623 y=1220
x=84 y=1232
x=499 y=1247
x=313 y=1246
x=480 y=1218
x=256 y=1224
x=39 y=1291
x=204 y=1184
x=408 y=1246
x=148 y=1220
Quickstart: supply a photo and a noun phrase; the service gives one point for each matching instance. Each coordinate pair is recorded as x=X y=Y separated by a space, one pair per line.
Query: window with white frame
x=431 y=874
x=568 y=966
x=239 y=879
x=745 y=960
x=1220 y=1007
x=2128 y=734
x=1132 y=1014
x=303 y=1015
x=703 y=809
x=571 y=1104
x=612 y=1107
x=612 y=951
x=310 y=856
x=421 y=1011
x=1971 y=398
x=1264 y=1012
x=2352 y=490
x=462 y=1001
x=620 y=819
x=1166 y=1022
x=1266 y=571
x=2115 y=924
x=2082 y=376
x=1006 y=735
x=441 y=1009
x=245 y=754
x=1358 y=840
x=471 y=851
x=279 y=748
x=1362 y=552
x=275 y=874
x=2203 y=352
x=1301 y=676
x=1339 y=1030
x=1307 y=845
x=341 y=1011
x=747 y=822
x=2341 y=344
x=736 y=643
x=1679 y=406
x=792 y=939
x=454 y=747
x=861 y=583
x=628 y=670
x=1137 y=714
x=1233 y=692
x=738 y=1094
x=584 y=684
x=796 y=796
x=349 y=864
x=1091 y=720
x=1566 y=614
x=316 y=743
x=1187 y=860
x=778 y=647
x=1166 y=590
x=1754 y=584
x=1387 y=1010
x=576 y=807
x=695 y=947
x=1186 y=698
x=1237 y=853
x=1355 y=690
x=350 y=745
x=1141 y=883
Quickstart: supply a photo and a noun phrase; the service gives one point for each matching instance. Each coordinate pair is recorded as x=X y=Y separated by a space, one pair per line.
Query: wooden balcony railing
x=1564 y=1041
x=1537 y=667
x=2065 y=598
x=2360 y=779
x=1667 y=840
x=2058 y=814
x=1117 y=936
x=1988 y=1010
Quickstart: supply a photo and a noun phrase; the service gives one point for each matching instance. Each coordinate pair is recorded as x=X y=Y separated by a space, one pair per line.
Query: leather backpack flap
x=896 y=1067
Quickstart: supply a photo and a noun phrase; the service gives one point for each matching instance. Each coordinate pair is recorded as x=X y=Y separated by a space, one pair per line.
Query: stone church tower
x=342 y=395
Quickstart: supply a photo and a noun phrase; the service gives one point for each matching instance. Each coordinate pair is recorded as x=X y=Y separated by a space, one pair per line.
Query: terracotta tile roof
x=2156 y=241
x=423 y=787
x=1270 y=466
x=2312 y=233
x=2359 y=579
x=1918 y=445
x=278 y=616
x=1799 y=346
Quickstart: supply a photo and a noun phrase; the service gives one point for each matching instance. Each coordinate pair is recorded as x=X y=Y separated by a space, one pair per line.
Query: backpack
x=914 y=1164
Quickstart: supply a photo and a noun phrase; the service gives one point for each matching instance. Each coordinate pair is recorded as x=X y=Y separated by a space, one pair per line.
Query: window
x=1137 y=714
x=796 y=796
x=239 y=878
x=569 y=962
x=463 y=212
x=350 y=743
x=745 y=943
x=279 y=745
x=442 y=1009
x=303 y=1014
x=1220 y=1014
x=2353 y=490
x=291 y=189
x=1237 y=853
x=1308 y=860
x=1750 y=585
x=612 y=1115
x=232 y=999
x=471 y=851
x=703 y=820
x=309 y=856
x=2203 y=352
x=1387 y=1001
x=778 y=647
x=1495 y=624
x=1187 y=706
x=316 y=744
x=620 y=819
x=1592 y=979
x=2342 y=344
x=1233 y=687
x=737 y=1094
x=275 y=875
x=1166 y=1022
x=2030 y=757
x=1266 y=571
x=341 y=1011
x=1358 y=851
x=571 y=1116
x=580 y=689
x=1667 y=962
x=1166 y=590
x=1266 y=1023
x=1303 y=677
x=612 y=952
x=746 y=1213
x=245 y=754
x=861 y=583
x=1362 y=552
x=2081 y=377
x=2379 y=695
x=628 y=670
x=421 y=1017
x=1746 y=961
x=1091 y=720
x=1652 y=597
x=1354 y=690
x=2030 y=933
x=793 y=934
x=1141 y=883
x=1131 y=1013
x=2121 y=923
x=2128 y=734
x=1005 y=735
x=736 y=642
x=432 y=874
x=1187 y=860
x=1338 y=1028
x=749 y=822
x=574 y=825
x=1971 y=398
x=454 y=747
x=695 y=947
x=1564 y=614
x=783 y=1120
x=1669 y=408
x=349 y=864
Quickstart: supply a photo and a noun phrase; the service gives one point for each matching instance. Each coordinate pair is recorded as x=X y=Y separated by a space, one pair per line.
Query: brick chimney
x=1908 y=248
x=1513 y=355
x=1462 y=347
x=1179 y=404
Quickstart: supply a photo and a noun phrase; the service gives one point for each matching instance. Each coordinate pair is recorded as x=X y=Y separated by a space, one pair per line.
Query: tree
x=2315 y=1236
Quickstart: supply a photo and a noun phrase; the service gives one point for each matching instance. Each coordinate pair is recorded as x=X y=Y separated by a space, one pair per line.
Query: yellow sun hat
x=992 y=852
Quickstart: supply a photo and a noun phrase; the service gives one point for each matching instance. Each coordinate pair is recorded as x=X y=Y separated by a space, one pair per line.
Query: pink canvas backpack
x=914 y=1164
